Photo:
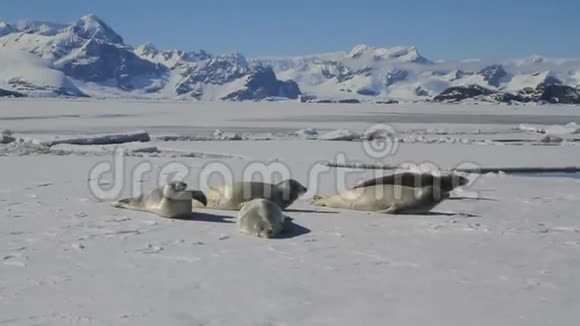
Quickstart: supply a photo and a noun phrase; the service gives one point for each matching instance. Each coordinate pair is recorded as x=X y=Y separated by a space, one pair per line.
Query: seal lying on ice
x=385 y=198
x=261 y=218
x=445 y=183
x=233 y=196
x=172 y=201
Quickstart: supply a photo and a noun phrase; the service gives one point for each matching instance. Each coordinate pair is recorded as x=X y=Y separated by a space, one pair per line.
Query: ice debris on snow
x=531 y=128
x=22 y=147
x=6 y=139
x=221 y=135
x=568 y=129
x=308 y=133
x=378 y=132
x=551 y=139
x=181 y=138
x=341 y=135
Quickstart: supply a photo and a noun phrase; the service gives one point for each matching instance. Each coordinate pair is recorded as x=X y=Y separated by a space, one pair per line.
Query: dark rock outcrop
x=333 y=69
x=349 y=101
x=460 y=93
x=493 y=74
x=6 y=29
x=103 y=62
x=550 y=93
x=420 y=91
x=395 y=76
x=387 y=102
x=6 y=93
x=261 y=84
x=475 y=92
x=544 y=93
x=367 y=92
x=551 y=80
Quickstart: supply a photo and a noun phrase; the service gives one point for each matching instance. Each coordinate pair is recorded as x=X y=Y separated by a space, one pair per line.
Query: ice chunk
x=6 y=139
x=341 y=134
x=551 y=139
x=308 y=133
x=532 y=128
x=569 y=129
x=220 y=135
x=378 y=132
x=105 y=139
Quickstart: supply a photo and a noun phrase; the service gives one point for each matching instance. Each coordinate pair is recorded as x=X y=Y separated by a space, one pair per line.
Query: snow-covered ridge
x=403 y=74
x=25 y=73
x=95 y=61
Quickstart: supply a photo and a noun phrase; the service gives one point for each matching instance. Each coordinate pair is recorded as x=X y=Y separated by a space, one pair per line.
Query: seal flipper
x=129 y=203
x=199 y=196
x=391 y=210
x=318 y=200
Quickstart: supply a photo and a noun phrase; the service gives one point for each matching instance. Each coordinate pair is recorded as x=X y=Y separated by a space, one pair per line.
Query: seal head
x=291 y=191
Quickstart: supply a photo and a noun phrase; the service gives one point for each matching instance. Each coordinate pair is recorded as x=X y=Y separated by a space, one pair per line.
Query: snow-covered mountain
x=23 y=73
x=88 y=58
x=402 y=74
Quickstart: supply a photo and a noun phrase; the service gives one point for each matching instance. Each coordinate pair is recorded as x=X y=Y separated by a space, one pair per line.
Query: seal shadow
x=450 y=214
x=310 y=211
x=471 y=198
x=292 y=230
x=205 y=217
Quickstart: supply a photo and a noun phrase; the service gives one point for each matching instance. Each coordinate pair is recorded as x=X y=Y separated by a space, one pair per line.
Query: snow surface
x=508 y=257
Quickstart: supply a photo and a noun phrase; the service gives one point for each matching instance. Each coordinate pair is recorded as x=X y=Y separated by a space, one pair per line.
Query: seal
x=445 y=183
x=385 y=198
x=261 y=218
x=171 y=201
x=233 y=196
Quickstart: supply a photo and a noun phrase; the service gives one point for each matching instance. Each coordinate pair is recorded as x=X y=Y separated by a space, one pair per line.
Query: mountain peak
x=5 y=28
x=359 y=50
x=400 y=53
x=415 y=56
x=91 y=17
x=236 y=58
x=39 y=27
x=147 y=49
x=91 y=26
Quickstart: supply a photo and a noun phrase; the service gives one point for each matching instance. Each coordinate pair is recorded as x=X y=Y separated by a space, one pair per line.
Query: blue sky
x=449 y=29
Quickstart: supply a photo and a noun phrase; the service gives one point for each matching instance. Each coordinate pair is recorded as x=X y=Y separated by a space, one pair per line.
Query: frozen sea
x=507 y=252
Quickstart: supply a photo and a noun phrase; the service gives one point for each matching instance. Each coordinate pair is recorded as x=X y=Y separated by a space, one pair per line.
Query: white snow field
x=508 y=253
